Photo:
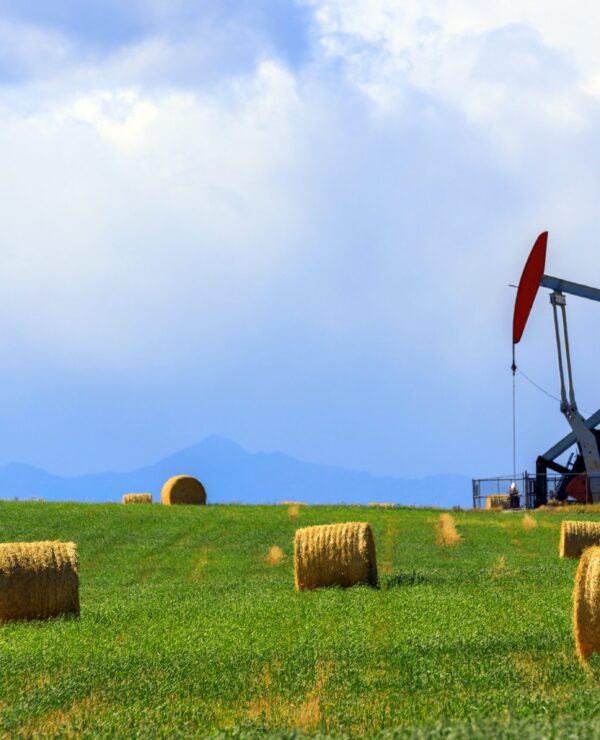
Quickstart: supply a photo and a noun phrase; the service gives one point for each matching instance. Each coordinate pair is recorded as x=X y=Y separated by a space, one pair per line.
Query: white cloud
x=124 y=213
x=27 y=50
x=119 y=116
x=515 y=69
x=344 y=239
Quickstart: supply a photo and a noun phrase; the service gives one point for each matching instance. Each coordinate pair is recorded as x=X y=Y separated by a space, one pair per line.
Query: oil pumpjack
x=580 y=477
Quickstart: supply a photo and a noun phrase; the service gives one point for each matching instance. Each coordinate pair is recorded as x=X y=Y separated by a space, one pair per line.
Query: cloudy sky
x=292 y=224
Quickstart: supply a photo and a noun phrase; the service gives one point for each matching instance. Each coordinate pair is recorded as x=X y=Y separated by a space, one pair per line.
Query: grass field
x=187 y=630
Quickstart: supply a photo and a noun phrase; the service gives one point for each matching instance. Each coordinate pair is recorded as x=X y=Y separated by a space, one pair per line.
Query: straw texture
x=445 y=531
x=586 y=604
x=137 y=498
x=576 y=536
x=497 y=501
x=275 y=556
x=38 y=580
x=334 y=555
x=183 y=489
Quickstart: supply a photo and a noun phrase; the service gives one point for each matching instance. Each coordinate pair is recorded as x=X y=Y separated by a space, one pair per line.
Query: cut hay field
x=187 y=628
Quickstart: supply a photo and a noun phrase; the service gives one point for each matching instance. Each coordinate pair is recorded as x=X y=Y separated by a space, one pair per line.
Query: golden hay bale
x=576 y=536
x=38 y=580
x=497 y=501
x=528 y=522
x=294 y=511
x=275 y=556
x=586 y=604
x=137 y=498
x=183 y=489
x=445 y=531
x=334 y=555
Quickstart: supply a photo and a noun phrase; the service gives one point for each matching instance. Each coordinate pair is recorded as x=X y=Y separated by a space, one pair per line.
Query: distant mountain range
x=230 y=474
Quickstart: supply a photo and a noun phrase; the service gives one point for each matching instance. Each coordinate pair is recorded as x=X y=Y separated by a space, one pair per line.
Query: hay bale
x=275 y=556
x=38 y=580
x=334 y=555
x=586 y=604
x=576 y=536
x=446 y=534
x=183 y=489
x=137 y=498
x=497 y=501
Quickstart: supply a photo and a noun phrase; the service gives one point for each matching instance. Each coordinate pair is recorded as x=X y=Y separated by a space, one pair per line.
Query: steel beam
x=570 y=439
x=566 y=286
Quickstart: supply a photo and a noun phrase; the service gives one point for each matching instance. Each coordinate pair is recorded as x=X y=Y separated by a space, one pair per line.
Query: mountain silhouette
x=231 y=474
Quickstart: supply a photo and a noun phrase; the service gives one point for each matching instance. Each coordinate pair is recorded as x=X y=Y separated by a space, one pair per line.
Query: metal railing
x=527 y=492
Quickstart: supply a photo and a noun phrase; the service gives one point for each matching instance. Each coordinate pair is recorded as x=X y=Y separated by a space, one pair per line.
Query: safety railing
x=527 y=491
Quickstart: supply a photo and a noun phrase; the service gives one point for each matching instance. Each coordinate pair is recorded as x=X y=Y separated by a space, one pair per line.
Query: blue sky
x=292 y=224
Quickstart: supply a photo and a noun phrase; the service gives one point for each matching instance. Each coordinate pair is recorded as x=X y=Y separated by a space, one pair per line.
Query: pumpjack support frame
x=587 y=464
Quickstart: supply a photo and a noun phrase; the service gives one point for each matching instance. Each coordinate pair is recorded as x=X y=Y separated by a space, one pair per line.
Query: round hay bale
x=334 y=555
x=183 y=489
x=38 y=580
x=137 y=498
x=575 y=537
x=586 y=604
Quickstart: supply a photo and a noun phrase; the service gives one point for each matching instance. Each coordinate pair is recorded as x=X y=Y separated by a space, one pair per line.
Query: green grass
x=185 y=630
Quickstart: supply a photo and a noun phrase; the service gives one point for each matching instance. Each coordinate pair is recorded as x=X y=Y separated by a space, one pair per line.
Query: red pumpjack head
x=529 y=285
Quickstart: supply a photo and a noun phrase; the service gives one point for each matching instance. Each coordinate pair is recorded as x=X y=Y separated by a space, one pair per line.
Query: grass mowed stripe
x=186 y=628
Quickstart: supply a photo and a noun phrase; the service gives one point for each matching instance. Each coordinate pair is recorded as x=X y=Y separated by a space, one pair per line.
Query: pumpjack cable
x=514 y=369
x=543 y=390
x=514 y=416
x=539 y=387
x=514 y=429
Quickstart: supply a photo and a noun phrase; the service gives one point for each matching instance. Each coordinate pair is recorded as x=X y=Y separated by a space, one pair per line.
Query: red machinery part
x=578 y=488
x=528 y=285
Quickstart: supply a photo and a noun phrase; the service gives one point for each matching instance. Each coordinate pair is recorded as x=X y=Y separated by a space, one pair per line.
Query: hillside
x=231 y=474
x=187 y=630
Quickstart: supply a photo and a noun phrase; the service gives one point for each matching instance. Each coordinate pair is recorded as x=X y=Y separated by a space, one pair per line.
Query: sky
x=293 y=224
